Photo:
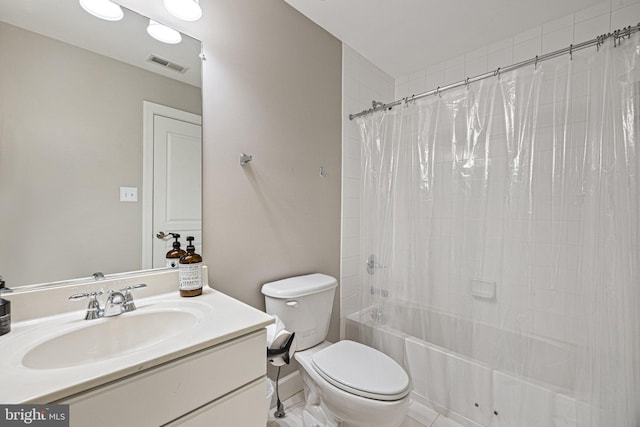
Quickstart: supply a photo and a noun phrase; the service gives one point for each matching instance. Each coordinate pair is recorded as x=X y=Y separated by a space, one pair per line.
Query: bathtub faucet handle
x=373 y=264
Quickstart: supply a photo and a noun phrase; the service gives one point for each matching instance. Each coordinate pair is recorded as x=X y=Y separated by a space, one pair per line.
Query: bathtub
x=466 y=371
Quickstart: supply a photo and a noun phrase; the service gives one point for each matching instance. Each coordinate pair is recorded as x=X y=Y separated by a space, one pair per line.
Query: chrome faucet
x=118 y=302
x=114 y=305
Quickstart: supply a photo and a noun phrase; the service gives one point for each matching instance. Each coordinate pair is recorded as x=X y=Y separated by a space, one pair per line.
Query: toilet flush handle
x=292 y=303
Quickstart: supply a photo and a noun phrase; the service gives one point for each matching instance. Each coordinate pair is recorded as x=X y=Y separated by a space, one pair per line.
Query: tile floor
x=424 y=417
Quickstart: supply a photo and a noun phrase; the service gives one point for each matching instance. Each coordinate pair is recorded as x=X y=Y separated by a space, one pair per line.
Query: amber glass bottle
x=174 y=255
x=190 y=272
x=5 y=312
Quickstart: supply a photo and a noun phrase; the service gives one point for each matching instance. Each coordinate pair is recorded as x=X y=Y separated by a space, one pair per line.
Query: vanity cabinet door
x=246 y=407
x=167 y=392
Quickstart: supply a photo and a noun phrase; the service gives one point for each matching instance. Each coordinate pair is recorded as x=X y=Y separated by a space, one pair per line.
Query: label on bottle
x=5 y=324
x=172 y=262
x=190 y=276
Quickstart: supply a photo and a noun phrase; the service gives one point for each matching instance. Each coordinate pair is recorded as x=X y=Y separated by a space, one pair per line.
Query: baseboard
x=421 y=413
x=289 y=386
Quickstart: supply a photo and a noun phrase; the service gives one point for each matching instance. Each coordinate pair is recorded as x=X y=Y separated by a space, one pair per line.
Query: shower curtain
x=511 y=206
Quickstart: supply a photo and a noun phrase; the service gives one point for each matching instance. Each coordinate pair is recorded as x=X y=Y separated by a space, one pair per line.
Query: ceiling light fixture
x=103 y=9
x=187 y=10
x=163 y=33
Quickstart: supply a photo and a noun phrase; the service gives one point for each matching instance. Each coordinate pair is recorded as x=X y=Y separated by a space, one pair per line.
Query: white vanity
x=172 y=361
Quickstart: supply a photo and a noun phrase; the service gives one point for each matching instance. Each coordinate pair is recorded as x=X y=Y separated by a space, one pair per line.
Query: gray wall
x=272 y=89
x=70 y=136
x=277 y=96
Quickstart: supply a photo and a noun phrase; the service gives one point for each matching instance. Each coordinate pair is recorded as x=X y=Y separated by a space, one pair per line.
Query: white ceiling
x=399 y=36
x=125 y=40
x=402 y=36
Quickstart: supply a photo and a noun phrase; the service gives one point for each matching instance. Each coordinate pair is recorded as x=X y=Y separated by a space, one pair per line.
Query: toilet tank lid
x=294 y=287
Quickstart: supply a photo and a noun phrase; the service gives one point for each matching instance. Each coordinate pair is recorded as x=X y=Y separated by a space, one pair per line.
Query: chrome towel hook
x=245 y=158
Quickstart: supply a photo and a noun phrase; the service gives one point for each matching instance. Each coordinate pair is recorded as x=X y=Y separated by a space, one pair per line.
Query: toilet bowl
x=346 y=383
x=358 y=384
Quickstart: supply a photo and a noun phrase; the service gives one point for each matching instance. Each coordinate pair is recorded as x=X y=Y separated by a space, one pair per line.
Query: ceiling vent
x=155 y=59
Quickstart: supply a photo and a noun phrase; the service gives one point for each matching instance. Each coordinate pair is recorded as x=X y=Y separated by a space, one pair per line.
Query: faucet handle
x=91 y=295
x=93 y=309
x=132 y=287
x=128 y=304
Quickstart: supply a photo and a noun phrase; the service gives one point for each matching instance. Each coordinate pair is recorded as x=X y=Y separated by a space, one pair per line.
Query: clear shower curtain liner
x=504 y=220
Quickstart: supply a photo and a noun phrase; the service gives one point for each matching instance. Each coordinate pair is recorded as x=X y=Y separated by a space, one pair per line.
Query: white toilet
x=346 y=383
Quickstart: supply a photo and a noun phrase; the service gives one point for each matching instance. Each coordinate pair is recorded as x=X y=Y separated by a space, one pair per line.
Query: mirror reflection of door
x=172 y=200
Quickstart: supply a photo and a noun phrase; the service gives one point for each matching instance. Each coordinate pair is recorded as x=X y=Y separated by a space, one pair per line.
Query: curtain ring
x=497 y=73
x=535 y=66
x=375 y=105
x=466 y=82
x=571 y=52
x=437 y=91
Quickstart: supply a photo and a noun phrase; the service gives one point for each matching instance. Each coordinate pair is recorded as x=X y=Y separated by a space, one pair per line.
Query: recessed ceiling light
x=163 y=33
x=187 y=10
x=103 y=9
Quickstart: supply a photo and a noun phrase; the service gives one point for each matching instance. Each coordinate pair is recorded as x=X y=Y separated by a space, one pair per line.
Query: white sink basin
x=52 y=353
x=101 y=339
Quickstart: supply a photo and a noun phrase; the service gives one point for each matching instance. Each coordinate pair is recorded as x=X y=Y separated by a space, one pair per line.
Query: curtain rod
x=598 y=41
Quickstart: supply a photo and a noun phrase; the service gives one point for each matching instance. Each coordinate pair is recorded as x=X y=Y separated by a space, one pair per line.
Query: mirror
x=72 y=88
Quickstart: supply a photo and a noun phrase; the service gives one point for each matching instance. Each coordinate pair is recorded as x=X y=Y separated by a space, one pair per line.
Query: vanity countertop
x=225 y=319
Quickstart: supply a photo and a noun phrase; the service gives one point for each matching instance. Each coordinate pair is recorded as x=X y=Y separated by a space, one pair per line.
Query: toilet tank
x=304 y=304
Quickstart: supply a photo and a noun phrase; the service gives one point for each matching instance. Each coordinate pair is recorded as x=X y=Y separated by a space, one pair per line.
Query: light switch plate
x=128 y=194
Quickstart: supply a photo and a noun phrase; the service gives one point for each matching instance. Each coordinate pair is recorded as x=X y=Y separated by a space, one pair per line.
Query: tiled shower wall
x=572 y=29
x=364 y=82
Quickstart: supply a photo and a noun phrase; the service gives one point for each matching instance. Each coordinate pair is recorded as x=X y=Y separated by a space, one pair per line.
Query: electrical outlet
x=128 y=194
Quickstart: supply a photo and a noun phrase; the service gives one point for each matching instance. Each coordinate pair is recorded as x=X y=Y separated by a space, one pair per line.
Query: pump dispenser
x=5 y=312
x=174 y=255
x=190 y=272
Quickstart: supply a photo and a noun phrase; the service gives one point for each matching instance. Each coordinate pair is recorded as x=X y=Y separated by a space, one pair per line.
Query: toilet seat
x=361 y=370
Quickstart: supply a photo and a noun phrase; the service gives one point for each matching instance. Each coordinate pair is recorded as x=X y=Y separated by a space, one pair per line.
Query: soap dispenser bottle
x=174 y=255
x=5 y=312
x=190 y=272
